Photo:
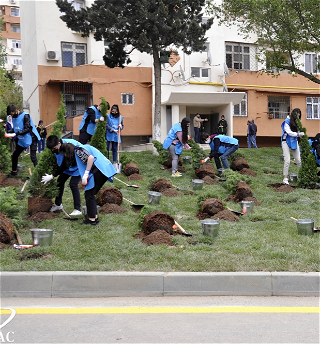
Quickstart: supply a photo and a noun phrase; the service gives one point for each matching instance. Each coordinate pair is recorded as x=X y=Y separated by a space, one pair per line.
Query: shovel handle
x=292 y=218
x=65 y=213
x=18 y=237
x=182 y=229
x=119 y=180
x=128 y=200
x=24 y=186
x=30 y=171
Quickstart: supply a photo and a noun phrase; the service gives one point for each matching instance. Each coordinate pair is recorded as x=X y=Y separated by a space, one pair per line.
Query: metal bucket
x=305 y=226
x=85 y=213
x=210 y=227
x=42 y=237
x=154 y=197
x=293 y=177
x=247 y=206
x=197 y=184
x=187 y=159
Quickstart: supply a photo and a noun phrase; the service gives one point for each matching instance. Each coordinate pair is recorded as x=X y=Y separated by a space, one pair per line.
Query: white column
x=175 y=114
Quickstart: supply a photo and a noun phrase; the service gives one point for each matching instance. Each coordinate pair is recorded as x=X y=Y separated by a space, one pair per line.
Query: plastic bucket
x=187 y=159
x=247 y=206
x=197 y=184
x=42 y=237
x=154 y=197
x=210 y=227
x=293 y=178
x=305 y=226
x=85 y=213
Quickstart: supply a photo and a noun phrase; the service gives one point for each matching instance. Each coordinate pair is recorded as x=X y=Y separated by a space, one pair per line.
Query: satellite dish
x=181 y=74
x=226 y=70
x=224 y=88
x=209 y=58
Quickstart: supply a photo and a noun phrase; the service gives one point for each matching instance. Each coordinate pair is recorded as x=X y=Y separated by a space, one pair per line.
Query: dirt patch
x=203 y=216
x=6 y=229
x=209 y=180
x=131 y=168
x=110 y=195
x=243 y=190
x=157 y=220
x=256 y=202
x=205 y=170
x=226 y=215
x=38 y=204
x=211 y=206
x=41 y=216
x=2 y=246
x=239 y=163
x=248 y=172
x=171 y=193
x=33 y=255
x=160 y=185
x=279 y=187
x=11 y=182
x=111 y=209
x=135 y=176
x=157 y=238
x=231 y=198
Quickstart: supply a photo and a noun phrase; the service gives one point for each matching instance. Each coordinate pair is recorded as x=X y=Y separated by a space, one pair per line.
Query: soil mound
x=209 y=180
x=2 y=246
x=157 y=238
x=160 y=185
x=226 y=215
x=157 y=220
x=131 y=168
x=39 y=204
x=239 y=163
x=205 y=170
x=256 y=202
x=135 y=176
x=248 y=172
x=6 y=229
x=243 y=190
x=41 y=216
x=110 y=208
x=211 y=206
x=11 y=182
x=171 y=193
x=285 y=188
x=110 y=195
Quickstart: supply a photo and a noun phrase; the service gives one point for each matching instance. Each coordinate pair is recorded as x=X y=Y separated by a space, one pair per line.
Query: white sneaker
x=285 y=181
x=56 y=207
x=75 y=213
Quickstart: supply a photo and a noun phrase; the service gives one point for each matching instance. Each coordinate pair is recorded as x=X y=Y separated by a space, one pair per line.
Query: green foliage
x=5 y=161
x=197 y=154
x=233 y=178
x=58 y=126
x=144 y=212
x=163 y=153
x=98 y=140
x=234 y=156
x=10 y=205
x=125 y=159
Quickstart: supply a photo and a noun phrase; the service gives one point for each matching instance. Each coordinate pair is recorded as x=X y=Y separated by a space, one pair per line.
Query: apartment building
x=11 y=37
x=224 y=79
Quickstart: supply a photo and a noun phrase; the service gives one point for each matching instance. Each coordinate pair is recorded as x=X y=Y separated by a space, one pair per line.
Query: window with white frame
x=15 y=11
x=16 y=44
x=313 y=107
x=127 y=98
x=241 y=109
x=279 y=106
x=17 y=61
x=241 y=56
x=73 y=54
x=312 y=63
x=15 y=28
x=200 y=72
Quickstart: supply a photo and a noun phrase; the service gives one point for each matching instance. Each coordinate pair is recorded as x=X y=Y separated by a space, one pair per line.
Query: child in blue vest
x=88 y=123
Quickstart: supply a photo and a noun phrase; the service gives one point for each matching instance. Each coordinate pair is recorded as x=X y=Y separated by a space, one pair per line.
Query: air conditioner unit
x=12 y=49
x=12 y=1
x=52 y=55
x=14 y=66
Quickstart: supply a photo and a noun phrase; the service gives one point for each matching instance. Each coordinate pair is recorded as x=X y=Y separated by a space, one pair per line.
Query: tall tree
x=285 y=29
x=149 y=26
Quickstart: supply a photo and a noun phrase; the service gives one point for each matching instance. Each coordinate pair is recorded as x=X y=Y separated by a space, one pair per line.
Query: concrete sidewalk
x=106 y=284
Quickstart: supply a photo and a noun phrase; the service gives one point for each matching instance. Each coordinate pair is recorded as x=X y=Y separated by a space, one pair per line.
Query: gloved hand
x=9 y=135
x=204 y=160
x=301 y=133
x=1 y=120
x=101 y=118
x=114 y=130
x=120 y=126
x=45 y=179
x=85 y=178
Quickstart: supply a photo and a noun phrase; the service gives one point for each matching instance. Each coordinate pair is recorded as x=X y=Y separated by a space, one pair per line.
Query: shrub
x=233 y=178
x=163 y=153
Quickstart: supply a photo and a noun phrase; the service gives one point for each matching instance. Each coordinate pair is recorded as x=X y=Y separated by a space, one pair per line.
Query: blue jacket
x=24 y=140
x=113 y=123
x=173 y=136
x=100 y=161
x=314 y=151
x=91 y=126
x=292 y=141
x=72 y=170
x=221 y=143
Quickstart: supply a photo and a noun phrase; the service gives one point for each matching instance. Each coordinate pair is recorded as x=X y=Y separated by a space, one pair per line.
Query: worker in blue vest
x=114 y=123
x=222 y=146
x=88 y=123
x=95 y=170
x=64 y=172
x=315 y=149
x=27 y=136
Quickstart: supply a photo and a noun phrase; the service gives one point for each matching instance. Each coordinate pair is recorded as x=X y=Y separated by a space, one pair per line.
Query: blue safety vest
x=91 y=126
x=114 y=123
x=225 y=143
x=100 y=161
x=72 y=170
x=314 y=152
x=18 y=124
x=172 y=135
x=292 y=141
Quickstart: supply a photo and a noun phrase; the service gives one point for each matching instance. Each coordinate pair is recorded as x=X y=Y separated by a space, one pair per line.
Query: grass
x=267 y=240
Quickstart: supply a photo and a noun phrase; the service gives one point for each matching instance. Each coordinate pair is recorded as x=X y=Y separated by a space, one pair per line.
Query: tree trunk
x=157 y=95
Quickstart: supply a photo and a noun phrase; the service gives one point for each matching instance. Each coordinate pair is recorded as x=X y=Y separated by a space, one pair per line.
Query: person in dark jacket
x=9 y=130
x=26 y=134
x=222 y=146
x=252 y=132
x=222 y=126
x=43 y=135
x=88 y=123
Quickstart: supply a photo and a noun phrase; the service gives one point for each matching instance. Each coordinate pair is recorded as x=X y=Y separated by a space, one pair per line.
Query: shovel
x=24 y=186
x=133 y=205
x=179 y=189
x=68 y=217
x=176 y=225
x=236 y=212
x=131 y=186
x=118 y=165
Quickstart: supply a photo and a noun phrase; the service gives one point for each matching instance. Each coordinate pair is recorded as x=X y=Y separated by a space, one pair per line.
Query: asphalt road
x=205 y=319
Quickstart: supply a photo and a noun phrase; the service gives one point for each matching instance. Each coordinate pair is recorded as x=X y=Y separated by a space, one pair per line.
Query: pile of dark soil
x=39 y=204
x=11 y=182
x=226 y=215
x=6 y=229
x=131 y=168
x=157 y=238
x=168 y=164
x=41 y=216
x=209 y=180
x=171 y=193
x=248 y=172
x=135 y=176
x=256 y=202
x=211 y=206
x=158 y=220
x=110 y=195
x=205 y=170
x=110 y=208
x=239 y=163
x=279 y=187
x=2 y=246
x=160 y=185
x=243 y=190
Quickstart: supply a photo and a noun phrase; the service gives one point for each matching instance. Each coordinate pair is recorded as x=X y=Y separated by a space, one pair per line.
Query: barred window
x=241 y=109
x=313 y=107
x=127 y=98
x=241 y=56
x=73 y=54
x=279 y=106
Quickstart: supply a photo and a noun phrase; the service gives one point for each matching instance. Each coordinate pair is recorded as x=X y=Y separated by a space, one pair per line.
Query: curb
x=81 y=284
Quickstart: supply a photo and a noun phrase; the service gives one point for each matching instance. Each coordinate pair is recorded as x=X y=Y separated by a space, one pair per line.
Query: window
x=200 y=72
x=15 y=11
x=313 y=107
x=241 y=109
x=15 y=28
x=127 y=98
x=241 y=56
x=73 y=54
x=16 y=44
x=77 y=4
x=279 y=106
x=312 y=63
x=17 y=61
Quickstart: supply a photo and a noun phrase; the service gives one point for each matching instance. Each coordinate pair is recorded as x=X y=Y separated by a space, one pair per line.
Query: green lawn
x=267 y=240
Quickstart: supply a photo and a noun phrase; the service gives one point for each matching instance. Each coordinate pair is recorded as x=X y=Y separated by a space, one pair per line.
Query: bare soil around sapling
x=131 y=168
x=42 y=216
x=160 y=185
x=279 y=187
x=11 y=182
x=135 y=176
x=110 y=208
x=171 y=193
x=110 y=195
